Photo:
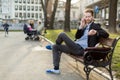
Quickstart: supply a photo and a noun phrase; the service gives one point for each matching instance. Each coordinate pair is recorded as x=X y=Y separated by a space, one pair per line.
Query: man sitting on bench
x=87 y=35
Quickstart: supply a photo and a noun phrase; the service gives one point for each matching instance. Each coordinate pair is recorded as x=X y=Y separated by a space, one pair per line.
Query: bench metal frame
x=105 y=48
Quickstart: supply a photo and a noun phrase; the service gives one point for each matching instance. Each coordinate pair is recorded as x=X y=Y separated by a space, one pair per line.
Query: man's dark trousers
x=69 y=47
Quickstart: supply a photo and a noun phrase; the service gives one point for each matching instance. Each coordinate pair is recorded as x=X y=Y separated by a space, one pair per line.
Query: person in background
x=31 y=22
x=6 y=28
x=28 y=28
x=87 y=35
x=40 y=27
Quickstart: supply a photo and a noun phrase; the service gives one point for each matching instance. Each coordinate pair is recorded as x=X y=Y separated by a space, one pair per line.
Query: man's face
x=88 y=17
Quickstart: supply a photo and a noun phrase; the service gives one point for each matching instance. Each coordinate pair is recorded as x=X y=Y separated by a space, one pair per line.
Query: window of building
x=40 y=15
x=20 y=15
x=36 y=8
x=36 y=1
x=28 y=8
x=16 y=7
x=16 y=14
x=24 y=1
x=5 y=17
x=119 y=14
x=73 y=14
x=20 y=1
x=32 y=15
x=24 y=7
x=8 y=17
x=24 y=15
x=40 y=9
x=107 y=13
x=28 y=1
x=28 y=15
x=103 y=13
x=20 y=7
x=61 y=4
x=118 y=3
x=36 y=15
x=39 y=2
x=32 y=1
x=32 y=8
x=16 y=1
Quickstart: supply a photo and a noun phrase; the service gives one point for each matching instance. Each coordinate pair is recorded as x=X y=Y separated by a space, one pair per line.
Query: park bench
x=98 y=56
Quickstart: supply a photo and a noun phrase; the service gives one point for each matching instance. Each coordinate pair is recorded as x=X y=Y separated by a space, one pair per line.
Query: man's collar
x=90 y=23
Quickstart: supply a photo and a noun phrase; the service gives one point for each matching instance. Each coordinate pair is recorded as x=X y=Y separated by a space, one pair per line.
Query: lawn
x=52 y=35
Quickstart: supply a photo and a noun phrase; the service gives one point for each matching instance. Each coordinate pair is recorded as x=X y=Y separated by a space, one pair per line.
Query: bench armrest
x=96 y=53
x=97 y=49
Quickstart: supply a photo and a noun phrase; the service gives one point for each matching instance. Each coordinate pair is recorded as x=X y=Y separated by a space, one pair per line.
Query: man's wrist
x=80 y=27
x=97 y=33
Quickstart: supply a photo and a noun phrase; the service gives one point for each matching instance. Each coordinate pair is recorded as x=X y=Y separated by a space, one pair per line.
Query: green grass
x=52 y=35
x=116 y=57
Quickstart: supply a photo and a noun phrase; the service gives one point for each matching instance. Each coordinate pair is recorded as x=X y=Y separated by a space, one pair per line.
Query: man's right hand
x=82 y=23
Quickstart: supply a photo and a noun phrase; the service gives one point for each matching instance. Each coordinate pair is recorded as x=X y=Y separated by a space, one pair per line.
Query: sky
x=73 y=1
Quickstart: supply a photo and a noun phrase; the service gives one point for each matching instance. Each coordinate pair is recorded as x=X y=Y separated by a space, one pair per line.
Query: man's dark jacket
x=93 y=40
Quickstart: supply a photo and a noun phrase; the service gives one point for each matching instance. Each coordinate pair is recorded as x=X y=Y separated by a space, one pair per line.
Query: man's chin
x=88 y=22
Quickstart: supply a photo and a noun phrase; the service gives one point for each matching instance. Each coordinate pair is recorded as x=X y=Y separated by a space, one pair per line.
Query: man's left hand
x=92 y=32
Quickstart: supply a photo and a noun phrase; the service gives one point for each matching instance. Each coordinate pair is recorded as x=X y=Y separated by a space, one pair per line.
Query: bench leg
x=87 y=71
x=110 y=72
x=108 y=68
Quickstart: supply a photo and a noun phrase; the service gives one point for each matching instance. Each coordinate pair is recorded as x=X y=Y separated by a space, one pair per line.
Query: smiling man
x=87 y=35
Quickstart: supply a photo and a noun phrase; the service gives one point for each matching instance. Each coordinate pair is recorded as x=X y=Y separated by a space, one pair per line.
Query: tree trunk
x=53 y=14
x=112 y=16
x=44 y=6
x=67 y=16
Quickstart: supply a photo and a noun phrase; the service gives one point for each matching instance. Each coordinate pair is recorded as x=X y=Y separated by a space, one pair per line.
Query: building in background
x=60 y=15
x=101 y=9
x=118 y=10
x=0 y=11
x=21 y=10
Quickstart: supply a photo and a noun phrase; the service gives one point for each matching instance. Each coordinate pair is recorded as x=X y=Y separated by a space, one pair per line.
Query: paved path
x=28 y=60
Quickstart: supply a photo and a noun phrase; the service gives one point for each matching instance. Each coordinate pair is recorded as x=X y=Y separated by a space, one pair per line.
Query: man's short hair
x=89 y=10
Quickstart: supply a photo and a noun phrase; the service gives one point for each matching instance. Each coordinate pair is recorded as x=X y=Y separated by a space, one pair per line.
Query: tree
x=44 y=6
x=67 y=16
x=53 y=14
x=112 y=15
x=49 y=20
